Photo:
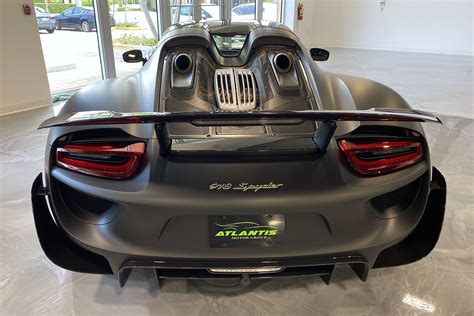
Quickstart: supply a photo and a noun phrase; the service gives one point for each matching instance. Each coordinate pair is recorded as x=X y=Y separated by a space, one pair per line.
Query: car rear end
x=239 y=173
x=46 y=22
x=116 y=196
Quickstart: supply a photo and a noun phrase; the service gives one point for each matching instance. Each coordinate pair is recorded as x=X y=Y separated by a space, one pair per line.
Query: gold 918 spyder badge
x=244 y=186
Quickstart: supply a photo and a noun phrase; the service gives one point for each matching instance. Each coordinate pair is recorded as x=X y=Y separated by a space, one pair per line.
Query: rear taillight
x=113 y=161
x=376 y=157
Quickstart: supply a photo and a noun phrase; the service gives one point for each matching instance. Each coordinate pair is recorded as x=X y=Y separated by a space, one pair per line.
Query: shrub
x=86 y=3
x=130 y=39
x=122 y=8
x=55 y=7
x=126 y=24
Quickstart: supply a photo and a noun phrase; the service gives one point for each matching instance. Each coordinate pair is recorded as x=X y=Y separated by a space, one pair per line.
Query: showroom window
x=136 y=27
x=191 y=10
x=242 y=10
x=69 y=44
x=256 y=10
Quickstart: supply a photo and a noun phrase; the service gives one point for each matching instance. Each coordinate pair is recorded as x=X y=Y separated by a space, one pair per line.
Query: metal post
x=104 y=37
x=280 y=11
x=259 y=10
x=226 y=10
x=197 y=15
x=164 y=16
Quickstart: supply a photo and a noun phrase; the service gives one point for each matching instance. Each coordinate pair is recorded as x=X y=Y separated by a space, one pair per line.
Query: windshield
x=229 y=44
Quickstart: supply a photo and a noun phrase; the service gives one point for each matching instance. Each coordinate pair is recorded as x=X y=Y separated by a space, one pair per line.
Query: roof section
x=228 y=27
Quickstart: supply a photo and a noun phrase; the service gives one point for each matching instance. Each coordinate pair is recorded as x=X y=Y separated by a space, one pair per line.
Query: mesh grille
x=235 y=89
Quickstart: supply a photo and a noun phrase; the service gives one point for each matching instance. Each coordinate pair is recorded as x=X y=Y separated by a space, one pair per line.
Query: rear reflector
x=247 y=270
x=377 y=157
x=114 y=161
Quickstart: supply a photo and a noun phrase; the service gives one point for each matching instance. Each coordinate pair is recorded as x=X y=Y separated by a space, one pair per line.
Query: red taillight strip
x=375 y=166
x=131 y=153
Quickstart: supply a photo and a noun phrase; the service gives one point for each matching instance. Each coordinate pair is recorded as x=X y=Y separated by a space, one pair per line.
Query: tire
x=58 y=26
x=51 y=31
x=85 y=26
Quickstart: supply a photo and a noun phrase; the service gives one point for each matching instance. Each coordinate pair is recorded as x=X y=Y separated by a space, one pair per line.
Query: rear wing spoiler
x=322 y=137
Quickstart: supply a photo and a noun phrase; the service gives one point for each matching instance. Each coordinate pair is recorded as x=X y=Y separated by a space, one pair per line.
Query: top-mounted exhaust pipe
x=282 y=63
x=183 y=63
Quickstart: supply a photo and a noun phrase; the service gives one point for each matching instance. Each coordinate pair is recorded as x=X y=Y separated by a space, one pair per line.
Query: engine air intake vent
x=235 y=89
x=224 y=85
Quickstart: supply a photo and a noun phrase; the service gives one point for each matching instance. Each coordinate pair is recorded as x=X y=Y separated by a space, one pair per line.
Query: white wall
x=435 y=26
x=23 y=80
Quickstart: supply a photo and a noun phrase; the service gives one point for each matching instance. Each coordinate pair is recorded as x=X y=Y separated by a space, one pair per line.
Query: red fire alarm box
x=26 y=9
x=300 y=11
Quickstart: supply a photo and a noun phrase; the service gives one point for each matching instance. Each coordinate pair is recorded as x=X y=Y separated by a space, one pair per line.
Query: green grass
x=130 y=39
x=126 y=24
x=127 y=28
x=128 y=9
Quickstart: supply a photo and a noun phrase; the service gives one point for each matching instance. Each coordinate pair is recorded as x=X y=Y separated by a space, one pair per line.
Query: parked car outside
x=78 y=18
x=244 y=12
x=248 y=12
x=186 y=13
x=45 y=20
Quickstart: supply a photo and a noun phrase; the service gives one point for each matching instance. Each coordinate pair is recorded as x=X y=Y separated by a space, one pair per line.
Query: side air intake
x=235 y=89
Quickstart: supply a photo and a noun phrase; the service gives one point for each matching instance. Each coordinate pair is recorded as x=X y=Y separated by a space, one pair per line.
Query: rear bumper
x=46 y=26
x=68 y=253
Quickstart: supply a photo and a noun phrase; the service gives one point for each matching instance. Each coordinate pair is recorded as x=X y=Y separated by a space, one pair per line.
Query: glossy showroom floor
x=442 y=283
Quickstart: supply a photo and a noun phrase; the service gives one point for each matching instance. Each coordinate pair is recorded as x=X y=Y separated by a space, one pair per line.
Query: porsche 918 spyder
x=232 y=155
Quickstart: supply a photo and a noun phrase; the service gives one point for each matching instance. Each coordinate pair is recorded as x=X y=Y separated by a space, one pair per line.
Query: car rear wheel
x=50 y=31
x=85 y=26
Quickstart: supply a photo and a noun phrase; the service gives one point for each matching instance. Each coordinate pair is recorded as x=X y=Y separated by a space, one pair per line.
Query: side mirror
x=134 y=56
x=319 y=54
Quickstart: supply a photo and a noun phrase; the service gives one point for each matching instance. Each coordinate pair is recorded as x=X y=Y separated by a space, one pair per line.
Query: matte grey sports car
x=231 y=154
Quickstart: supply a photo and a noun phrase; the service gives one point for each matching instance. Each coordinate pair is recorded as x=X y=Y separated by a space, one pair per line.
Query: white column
x=104 y=36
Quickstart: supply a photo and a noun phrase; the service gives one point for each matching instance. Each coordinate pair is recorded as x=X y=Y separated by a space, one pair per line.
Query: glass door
x=69 y=43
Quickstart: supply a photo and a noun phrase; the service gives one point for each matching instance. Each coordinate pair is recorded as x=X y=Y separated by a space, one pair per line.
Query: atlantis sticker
x=246 y=231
